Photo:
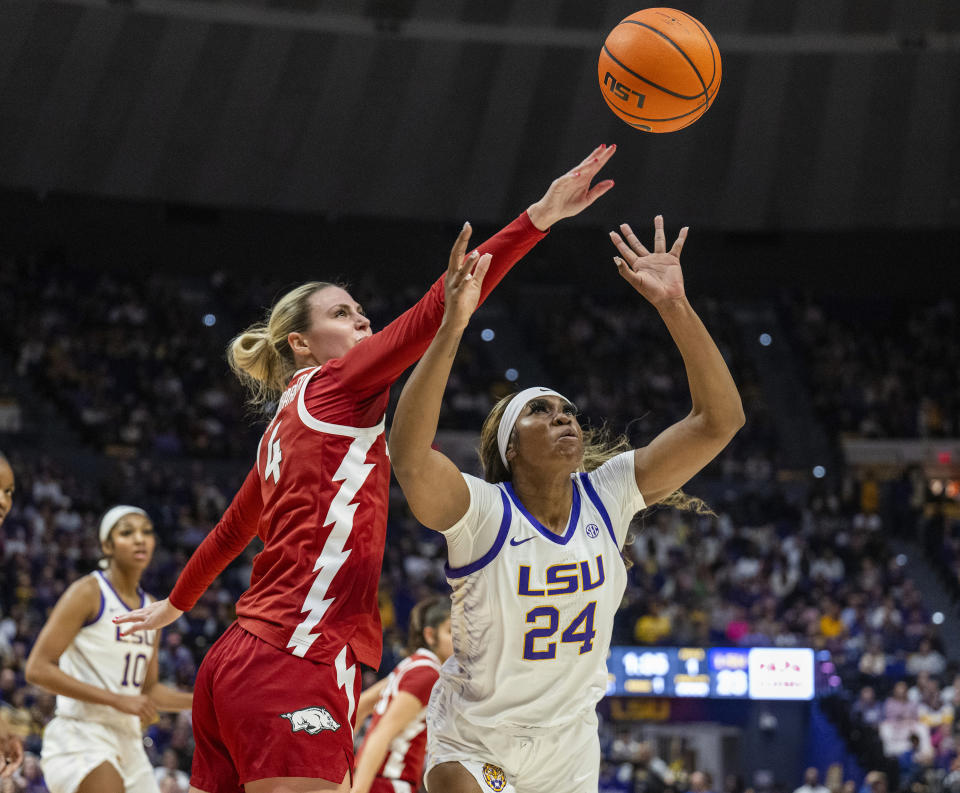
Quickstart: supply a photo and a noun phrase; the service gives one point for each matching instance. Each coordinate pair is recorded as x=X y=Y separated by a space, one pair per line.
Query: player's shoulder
x=88 y=584
x=83 y=595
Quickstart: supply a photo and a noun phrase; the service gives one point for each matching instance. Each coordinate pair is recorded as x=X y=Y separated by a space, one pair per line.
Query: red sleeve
x=222 y=545
x=419 y=681
x=380 y=360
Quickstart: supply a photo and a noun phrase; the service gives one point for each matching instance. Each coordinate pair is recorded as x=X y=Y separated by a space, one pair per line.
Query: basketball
x=659 y=70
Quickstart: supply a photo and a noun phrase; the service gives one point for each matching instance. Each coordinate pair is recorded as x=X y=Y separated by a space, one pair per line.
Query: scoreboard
x=763 y=673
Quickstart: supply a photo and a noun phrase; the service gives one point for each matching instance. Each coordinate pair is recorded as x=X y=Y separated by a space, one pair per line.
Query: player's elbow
x=33 y=670
x=722 y=424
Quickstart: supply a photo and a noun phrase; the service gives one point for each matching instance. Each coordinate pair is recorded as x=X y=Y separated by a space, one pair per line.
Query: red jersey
x=318 y=494
x=415 y=675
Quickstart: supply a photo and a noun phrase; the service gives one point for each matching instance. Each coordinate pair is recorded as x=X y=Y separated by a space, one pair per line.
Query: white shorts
x=72 y=749
x=563 y=759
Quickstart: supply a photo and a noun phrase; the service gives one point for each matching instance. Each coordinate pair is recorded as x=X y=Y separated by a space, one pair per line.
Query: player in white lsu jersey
x=106 y=683
x=534 y=551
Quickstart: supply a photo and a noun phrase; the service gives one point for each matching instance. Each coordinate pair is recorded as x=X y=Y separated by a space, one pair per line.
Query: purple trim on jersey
x=99 y=613
x=483 y=561
x=106 y=580
x=594 y=496
x=562 y=539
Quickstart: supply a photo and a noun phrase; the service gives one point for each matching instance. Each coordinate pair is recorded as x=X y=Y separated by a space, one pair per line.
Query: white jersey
x=532 y=611
x=100 y=656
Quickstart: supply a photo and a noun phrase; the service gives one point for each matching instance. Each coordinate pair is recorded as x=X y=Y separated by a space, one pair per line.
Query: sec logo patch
x=592 y=530
x=494 y=777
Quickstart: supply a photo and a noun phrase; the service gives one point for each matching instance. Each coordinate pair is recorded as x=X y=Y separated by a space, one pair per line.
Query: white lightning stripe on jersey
x=353 y=472
x=399 y=746
x=346 y=679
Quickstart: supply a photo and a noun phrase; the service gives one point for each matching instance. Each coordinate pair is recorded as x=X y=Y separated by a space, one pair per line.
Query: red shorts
x=383 y=785
x=260 y=712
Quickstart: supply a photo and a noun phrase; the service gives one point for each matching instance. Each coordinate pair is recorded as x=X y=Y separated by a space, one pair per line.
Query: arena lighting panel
x=761 y=673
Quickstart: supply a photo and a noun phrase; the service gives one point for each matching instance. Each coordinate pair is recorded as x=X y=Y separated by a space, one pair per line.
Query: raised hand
x=463 y=280
x=570 y=194
x=139 y=705
x=151 y=617
x=657 y=276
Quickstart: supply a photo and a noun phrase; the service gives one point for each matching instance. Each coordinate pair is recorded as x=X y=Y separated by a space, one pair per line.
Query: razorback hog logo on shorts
x=311 y=720
x=494 y=777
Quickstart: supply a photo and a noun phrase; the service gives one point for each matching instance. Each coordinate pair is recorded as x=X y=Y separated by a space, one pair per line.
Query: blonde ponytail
x=261 y=356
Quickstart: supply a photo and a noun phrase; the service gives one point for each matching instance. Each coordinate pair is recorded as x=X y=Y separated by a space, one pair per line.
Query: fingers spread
x=638 y=247
x=678 y=245
x=620 y=245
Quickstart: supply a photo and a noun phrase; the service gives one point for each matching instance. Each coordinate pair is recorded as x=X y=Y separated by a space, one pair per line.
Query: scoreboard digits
x=717 y=672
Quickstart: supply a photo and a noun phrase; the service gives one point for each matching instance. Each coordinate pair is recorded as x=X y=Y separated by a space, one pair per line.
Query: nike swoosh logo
x=515 y=541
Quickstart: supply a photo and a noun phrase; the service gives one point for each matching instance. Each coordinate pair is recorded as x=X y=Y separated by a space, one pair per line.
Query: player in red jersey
x=392 y=754
x=317 y=497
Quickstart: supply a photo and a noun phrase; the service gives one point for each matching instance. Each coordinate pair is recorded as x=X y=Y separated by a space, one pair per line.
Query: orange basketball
x=659 y=70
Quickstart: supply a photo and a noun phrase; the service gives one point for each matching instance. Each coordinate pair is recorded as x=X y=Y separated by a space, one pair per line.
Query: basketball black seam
x=710 y=43
x=706 y=103
x=677 y=47
x=649 y=82
x=699 y=111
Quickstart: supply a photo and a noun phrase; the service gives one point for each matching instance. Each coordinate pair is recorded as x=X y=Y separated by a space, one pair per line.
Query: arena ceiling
x=832 y=113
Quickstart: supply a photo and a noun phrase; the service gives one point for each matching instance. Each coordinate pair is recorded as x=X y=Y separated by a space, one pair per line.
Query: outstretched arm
x=380 y=360
x=680 y=451
x=220 y=547
x=432 y=484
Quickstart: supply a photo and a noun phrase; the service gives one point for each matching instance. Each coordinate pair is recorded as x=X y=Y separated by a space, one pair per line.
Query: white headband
x=512 y=413
x=113 y=516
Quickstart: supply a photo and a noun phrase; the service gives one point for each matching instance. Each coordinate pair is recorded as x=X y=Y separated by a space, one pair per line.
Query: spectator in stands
x=811 y=782
x=655 y=626
x=874 y=782
x=831 y=626
x=935 y=714
x=873 y=663
x=951 y=782
x=898 y=707
x=700 y=782
x=866 y=709
x=926 y=659
x=918 y=690
x=169 y=772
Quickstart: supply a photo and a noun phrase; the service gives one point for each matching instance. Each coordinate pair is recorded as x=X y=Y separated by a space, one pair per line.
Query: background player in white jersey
x=514 y=708
x=106 y=683
x=392 y=754
x=11 y=748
